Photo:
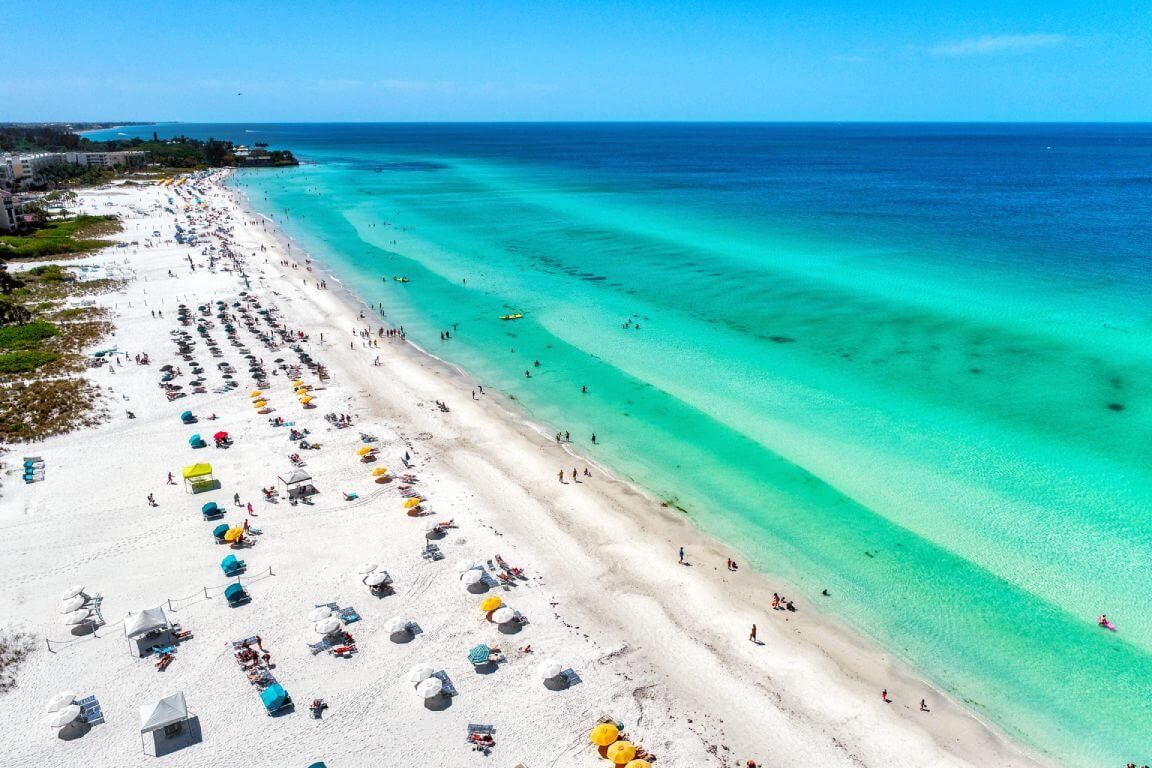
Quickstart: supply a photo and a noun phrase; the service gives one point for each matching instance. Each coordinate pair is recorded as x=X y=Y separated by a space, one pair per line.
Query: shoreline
x=851 y=647
x=660 y=645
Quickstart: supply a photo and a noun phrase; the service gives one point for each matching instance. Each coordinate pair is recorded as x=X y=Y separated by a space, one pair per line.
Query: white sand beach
x=659 y=646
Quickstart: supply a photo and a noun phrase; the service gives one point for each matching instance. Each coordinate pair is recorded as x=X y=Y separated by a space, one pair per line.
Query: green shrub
x=26 y=336
x=25 y=360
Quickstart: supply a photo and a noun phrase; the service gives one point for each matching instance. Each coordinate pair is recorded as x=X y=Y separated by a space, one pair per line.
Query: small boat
x=516 y=316
x=400 y=279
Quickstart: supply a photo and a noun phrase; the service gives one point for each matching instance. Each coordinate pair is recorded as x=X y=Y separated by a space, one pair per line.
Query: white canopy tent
x=166 y=714
x=298 y=484
x=146 y=629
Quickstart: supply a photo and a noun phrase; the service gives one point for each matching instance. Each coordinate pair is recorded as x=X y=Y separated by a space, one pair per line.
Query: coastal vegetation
x=41 y=350
x=57 y=237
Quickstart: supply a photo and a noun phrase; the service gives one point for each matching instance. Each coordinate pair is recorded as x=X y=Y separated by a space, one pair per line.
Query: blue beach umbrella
x=479 y=654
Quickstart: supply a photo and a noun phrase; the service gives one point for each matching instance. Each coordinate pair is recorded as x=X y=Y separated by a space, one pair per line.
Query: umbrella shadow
x=486 y=668
x=435 y=535
x=558 y=683
x=478 y=588
x=438 y=703
x=402 y=638
x=75 y=730
x=510 y=628
x=83 y=630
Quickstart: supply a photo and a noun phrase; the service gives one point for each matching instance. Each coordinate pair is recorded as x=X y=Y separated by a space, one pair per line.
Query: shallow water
x=908 y=364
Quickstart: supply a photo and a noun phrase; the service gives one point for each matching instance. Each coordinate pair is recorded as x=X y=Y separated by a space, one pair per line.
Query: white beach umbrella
x=376 y=578
x=72 y=604
x=72 y=591
x=550 y=668
x=396 y=625
x=366 y=567
x=76 y=617
x=471 y=577
x=65 y=715
x=328 y=626
x=430 y=688
x=503 y=615
x=420 y=672
x=463 y=566
x=319 y=613
x=60 y=700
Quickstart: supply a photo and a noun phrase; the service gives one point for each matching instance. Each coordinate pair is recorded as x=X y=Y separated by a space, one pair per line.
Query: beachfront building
x=12 y=211
x=126 y=159
x=18 y=168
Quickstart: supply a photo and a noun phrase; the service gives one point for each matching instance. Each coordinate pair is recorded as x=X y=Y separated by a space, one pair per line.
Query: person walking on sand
x=249 y=507
x=561 y=475
x=236 y=499
x=884 y=695
x=681 y=555
x=752 y=636
x=170 y=480
x=924 y=706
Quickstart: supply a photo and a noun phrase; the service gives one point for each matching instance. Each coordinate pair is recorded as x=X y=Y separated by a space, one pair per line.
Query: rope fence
x=205 y=593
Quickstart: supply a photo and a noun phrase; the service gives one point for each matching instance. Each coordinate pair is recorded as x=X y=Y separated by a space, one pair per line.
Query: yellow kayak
x=400 y=279
x=516 y=316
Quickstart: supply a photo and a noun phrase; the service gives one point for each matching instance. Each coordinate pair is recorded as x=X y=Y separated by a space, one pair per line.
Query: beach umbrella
x=234 y=534
x=305 y=400
x=255 y=393
x=430 y=688
x=376 y=579
x=638 y=764
x=77 y=589
x=72 y=604
x=68 y=714
x=604 y=734
x=490 y=603
x=327 y=626
x=259 y=403
x=420 y=672
x=77 y=617
x=319 y=613
x=550 y=668
x=621 y=752
x=466 y=565
x=365 y=450
x=503 y=615
x=60 y=700
x=220 y=436
x=366 y=567
x=412 y=503
x=479 y=654
x=396 y=625
x=379 y=471
x=298 y=383
x=471 y=577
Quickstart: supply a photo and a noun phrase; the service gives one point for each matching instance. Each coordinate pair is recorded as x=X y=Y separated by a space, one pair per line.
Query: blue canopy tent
x=235 y=594
x=219 y=531
x=274 y=697
x=211 y=509
x=187 y=417
x=231 y=566
x=196 y=441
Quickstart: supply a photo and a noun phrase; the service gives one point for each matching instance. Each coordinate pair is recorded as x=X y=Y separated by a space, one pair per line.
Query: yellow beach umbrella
x=259 y=403
x=412 y=502
x=621 y=752
x=298 y=383
x=490 y=603
x=379 y=471
x=306 y=399
x=604 y=734
x=255 y=393
x=364 y=450
x=638 y=763
x=233 y=534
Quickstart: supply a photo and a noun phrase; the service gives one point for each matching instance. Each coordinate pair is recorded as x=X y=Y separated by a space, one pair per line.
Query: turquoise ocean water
x=909 y=364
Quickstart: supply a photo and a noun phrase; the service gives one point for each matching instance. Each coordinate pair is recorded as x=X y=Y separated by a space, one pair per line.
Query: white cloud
x=978 y=46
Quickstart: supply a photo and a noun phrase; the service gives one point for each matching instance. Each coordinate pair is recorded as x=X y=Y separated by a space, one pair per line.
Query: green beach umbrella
x=479 y=654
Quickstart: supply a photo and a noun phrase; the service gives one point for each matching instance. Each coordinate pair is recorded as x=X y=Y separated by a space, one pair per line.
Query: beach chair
x=235 y=595
x=94 y=605
x=90 y=710
x=449 y=689
x=480 y=730
x=322 y=646
x=349 y=615
x=570 y=677
x=432 y=552
x=488 y=581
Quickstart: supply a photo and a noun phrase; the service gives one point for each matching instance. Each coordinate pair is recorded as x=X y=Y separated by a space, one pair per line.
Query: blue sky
x=249 y=60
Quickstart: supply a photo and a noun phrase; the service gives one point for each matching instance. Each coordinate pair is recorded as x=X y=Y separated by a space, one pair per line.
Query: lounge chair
x=449 y=689
x=432 y=552
x=90 y=710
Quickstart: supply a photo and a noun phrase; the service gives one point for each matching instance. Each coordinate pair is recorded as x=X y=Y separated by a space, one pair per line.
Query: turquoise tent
x=234 y=593
x=220 y=530
x=274 y=697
